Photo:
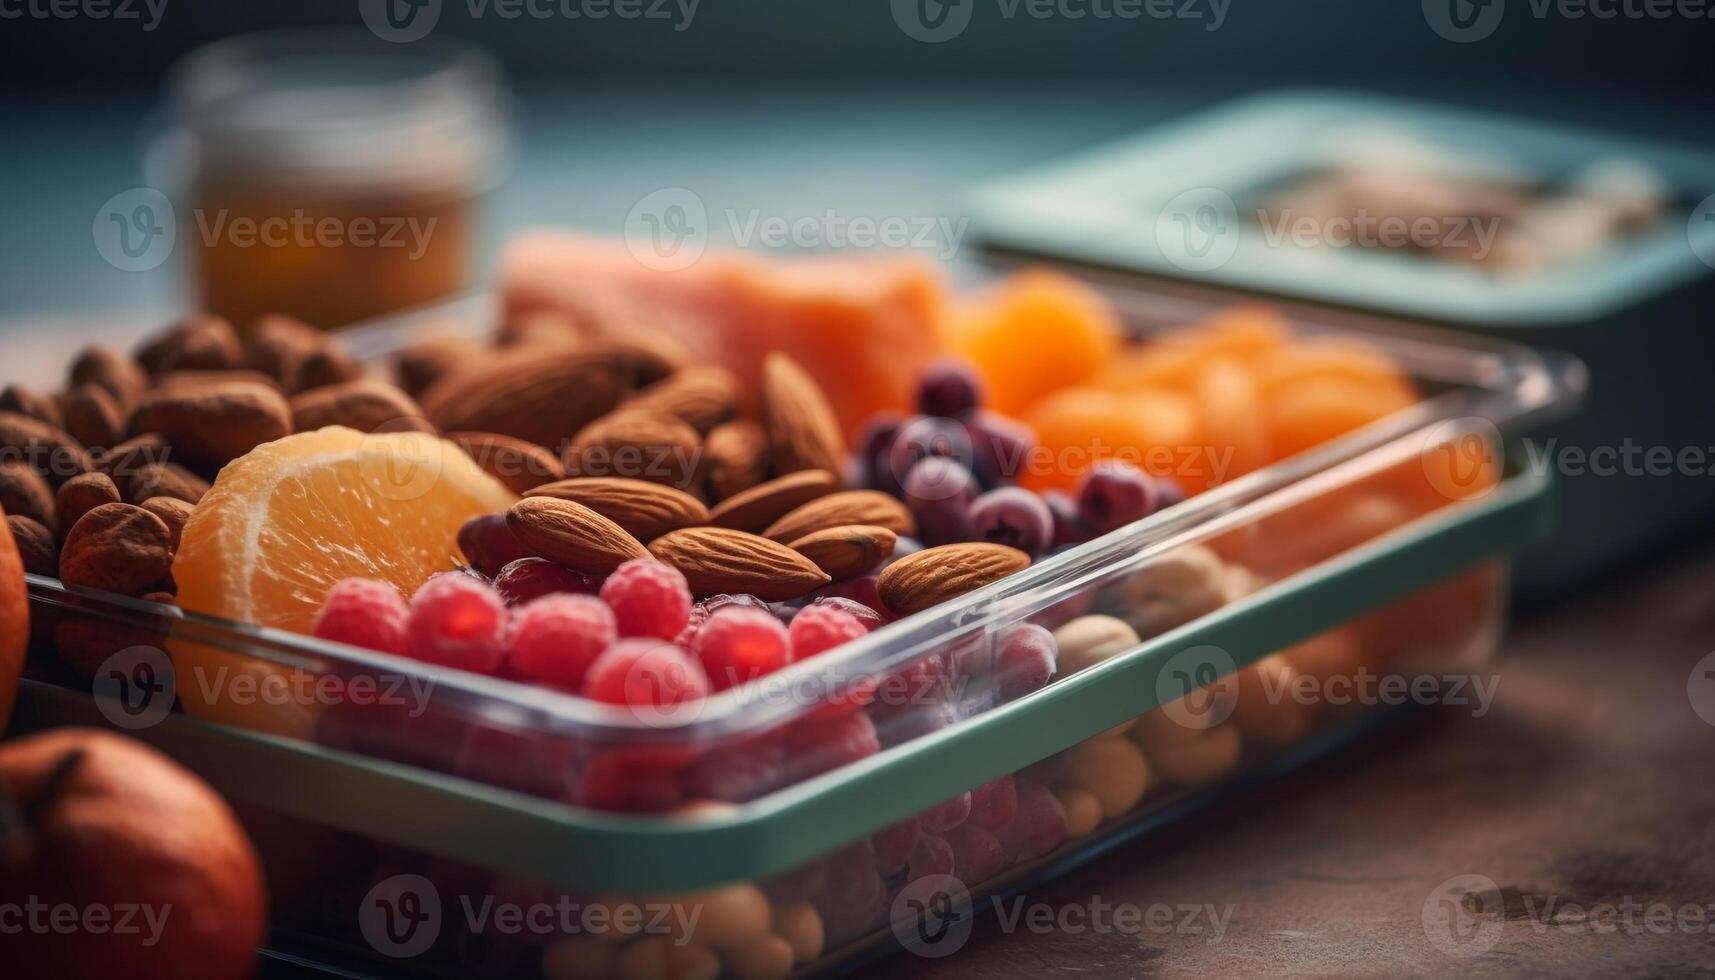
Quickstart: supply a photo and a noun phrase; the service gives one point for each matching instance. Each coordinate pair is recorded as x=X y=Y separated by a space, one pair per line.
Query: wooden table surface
x=1586 y=795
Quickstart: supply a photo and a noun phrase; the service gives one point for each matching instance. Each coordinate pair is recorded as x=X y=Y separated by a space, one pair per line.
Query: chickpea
x=1173 y=590
x=1113 y=770
x=801 y=926
x=1083 y=811
x=767 y=958
x=1197 y=760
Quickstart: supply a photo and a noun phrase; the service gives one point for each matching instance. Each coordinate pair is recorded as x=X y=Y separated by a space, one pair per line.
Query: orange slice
x=290 y=518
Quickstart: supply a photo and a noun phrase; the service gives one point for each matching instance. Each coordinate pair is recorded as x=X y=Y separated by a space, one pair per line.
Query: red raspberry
x=894 y=846
x=645 y=673
x=818 y=628
x=1025 y=661
x=457 y=621
x=977 y=854
x=532 y=578
x=931 y=856
x=946 y=815
x=1040 y=826
x=649 y=599
x=738 y=773
x=819 y=744
x=740 y=644
x=701 y=612
x=554 y=639
x=993 y=805
x=364 y=612
x=629 y=778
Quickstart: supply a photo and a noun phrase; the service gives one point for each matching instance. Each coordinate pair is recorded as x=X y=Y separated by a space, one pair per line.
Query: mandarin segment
x=1036 y=333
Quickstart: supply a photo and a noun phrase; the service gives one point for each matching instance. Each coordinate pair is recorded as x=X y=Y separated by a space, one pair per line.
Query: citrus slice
x=290 y=518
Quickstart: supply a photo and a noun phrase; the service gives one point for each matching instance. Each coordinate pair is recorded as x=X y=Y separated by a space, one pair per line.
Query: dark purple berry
x=870 y=457
x=488 y=543
x=1114 y=494
x=939 y=492
x=1012 y=516
x=529 y=578
x=949 y=388
x=1168 y=492
x=1025 y=661
x=1068 y=526
x=927 y=436
x=1001 y=448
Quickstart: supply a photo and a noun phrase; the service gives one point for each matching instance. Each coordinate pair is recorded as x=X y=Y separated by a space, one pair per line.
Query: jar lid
x=337 y=111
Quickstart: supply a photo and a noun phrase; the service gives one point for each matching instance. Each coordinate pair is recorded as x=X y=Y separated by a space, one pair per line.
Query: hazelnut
x=119 y=548
x=82 y=494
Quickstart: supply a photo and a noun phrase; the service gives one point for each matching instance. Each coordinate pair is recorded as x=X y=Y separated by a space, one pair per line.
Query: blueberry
x=1012 y=516
x=871 y=455
x=1114 y=494
x=925 y=436
x=1068 y=526
x=949 y=388
x=939 y=492
x=1168 y=492
x=1000 y=447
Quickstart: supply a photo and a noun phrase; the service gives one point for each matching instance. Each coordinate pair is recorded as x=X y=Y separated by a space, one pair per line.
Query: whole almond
x=802 y=429
x=572 y=534
x=846 y=551
x=297 y=356
x=51 y=450
x=120 y=548
x=735 y=457
x=755 y=509
x=934 y=575
x=36 y=545
x=82 y=494
x=202 y=342
x=646 y=510
x=93 y=417
x=126 y=460
x=716 y=560
x=845 y=507
x=26 y=493
x=173 y=512
x=217 y=422
x=121 y=377
x=703 y=396
x=639 y=445
x=521 y=465
x=200 y=379
x=366 y=405
x=429 y=359
x=19 y=399
x=539 y=398
x=165 y=480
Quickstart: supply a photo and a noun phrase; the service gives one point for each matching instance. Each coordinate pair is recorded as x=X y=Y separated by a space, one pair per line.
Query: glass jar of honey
x=331 y=177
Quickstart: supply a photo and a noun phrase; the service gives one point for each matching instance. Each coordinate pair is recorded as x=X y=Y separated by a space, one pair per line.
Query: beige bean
x=1083 y=811
x=1201 y=759
x=801 y=926
x=1113 y=770
x=1267 y=710
x=768 y=958
x=726 y=917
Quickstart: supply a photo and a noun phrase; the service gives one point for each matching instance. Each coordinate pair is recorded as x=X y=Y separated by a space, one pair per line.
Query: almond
x=846 y=551
x=839 y=509
x=120 y=548
x=51 y=450
x=522 y=466
x=572 y=534
x=646 y=510
x=93 y=417
x=26 y=493
x=19 y=399
x=197 y=343
x=716 y=560
x=173 y=512
x=82 y=494
x=934 y=575
x=703 y=396
x=366 y=405
x=735 y=457
x=298 y=356
x=638 y=445
x=538 y=397
x=216 y=422
x=429 y=359
x=127 y=459
x=36 y=546
x=755 y=509
x=802 y=430
x=165 y=480
x=116 y=373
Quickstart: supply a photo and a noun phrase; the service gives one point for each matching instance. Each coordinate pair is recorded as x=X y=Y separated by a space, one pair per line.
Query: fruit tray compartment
x=1360 y=556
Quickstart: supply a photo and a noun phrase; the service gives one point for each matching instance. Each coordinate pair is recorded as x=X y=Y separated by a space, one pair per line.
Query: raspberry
x=917 y=686
x=701 y=612
x=555 y=638
x=532 y=578
x=737 y=773
x=457 y=621
x=649 y=599
x=853 y=895
x=822 y=744
x=645 y=673
x=946 y=815
x=994 y=805
x=818 y=628
x=861 y=590
x=1026 y=660
x=977 y=854
x=630 y=778
x=931 y=856
x=1040 y=826
x=740 y=644
x=364 y=612
x=894 y=846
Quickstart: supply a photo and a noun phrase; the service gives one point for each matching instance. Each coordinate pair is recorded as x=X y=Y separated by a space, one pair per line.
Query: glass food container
x=867 y=798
